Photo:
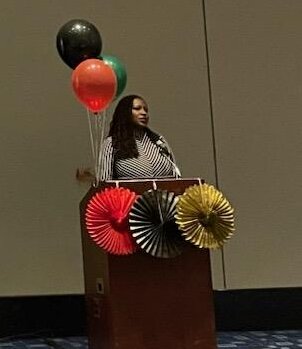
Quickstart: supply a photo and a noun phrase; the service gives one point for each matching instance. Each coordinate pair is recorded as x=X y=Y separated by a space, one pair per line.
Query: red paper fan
x=107 y=220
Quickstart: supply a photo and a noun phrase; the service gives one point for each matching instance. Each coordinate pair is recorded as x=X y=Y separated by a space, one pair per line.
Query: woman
x=131 y=149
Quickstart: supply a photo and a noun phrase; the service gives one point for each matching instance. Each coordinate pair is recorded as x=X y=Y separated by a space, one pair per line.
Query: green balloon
x=120 y=72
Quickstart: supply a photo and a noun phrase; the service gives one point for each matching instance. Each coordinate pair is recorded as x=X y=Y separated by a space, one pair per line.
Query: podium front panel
x=143 y=302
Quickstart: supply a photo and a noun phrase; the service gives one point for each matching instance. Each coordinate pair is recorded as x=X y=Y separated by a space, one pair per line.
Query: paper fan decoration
x=153 y=226
x=107 y=220
x=204 y=216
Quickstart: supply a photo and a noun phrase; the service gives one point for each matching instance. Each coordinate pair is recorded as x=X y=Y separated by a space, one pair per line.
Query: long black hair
x=122 y=129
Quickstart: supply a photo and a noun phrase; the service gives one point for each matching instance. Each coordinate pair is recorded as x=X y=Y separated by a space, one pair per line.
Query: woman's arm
x=106 y=160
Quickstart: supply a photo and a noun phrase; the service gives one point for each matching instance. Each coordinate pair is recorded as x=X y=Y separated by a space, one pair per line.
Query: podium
x=143 y=302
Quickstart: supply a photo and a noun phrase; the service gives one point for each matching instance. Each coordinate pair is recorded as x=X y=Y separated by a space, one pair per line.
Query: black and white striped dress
x=151 y=162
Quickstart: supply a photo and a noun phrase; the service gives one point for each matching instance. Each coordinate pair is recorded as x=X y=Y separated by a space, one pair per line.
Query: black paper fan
x=153 y=226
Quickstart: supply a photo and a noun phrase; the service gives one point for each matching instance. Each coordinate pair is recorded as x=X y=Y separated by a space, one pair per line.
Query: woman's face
x=140 y=114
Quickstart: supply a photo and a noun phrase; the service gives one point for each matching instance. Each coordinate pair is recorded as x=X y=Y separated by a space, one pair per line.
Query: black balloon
x=78 y=40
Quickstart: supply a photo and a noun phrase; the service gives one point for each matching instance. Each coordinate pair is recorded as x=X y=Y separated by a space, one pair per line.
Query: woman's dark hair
x=122 y=129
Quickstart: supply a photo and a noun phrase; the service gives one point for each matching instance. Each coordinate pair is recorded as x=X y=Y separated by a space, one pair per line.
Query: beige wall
x=256 y=72
x=256 y=61
x=45 y=132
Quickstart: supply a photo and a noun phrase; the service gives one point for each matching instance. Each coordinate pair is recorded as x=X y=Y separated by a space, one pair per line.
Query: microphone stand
x=177 y=171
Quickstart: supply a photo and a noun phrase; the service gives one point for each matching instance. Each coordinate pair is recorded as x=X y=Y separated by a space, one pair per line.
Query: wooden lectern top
x=178 y=186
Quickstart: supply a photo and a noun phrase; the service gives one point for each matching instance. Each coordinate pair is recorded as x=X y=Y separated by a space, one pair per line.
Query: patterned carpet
x=227 y=340
x=260 y=340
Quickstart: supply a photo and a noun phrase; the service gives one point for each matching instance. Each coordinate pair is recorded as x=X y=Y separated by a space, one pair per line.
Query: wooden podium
x=143 y=302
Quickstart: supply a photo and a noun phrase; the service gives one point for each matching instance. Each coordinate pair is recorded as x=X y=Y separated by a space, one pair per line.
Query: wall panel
x=255 y=54
x=45 y=132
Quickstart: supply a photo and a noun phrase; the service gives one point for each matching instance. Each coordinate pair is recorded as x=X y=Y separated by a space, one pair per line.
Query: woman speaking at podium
x=132 y=150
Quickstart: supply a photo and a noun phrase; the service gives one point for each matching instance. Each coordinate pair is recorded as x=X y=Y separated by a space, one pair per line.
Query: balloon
x=78 y=40
x=94 y=84
x=120 y=72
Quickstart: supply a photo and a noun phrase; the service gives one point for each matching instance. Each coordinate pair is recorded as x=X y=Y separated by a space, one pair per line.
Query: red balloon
x=94 y=84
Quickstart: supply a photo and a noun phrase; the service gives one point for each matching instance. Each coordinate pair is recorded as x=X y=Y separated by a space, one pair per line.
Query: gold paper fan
x=204 y=216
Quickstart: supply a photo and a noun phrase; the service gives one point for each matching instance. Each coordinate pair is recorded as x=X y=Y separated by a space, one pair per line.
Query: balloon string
x=159 y=208
x=103 y=133
x=96 y=146
x=200 y=183
x=91 y=134
x=101 y=145
x=158 y=203
x=203 y=202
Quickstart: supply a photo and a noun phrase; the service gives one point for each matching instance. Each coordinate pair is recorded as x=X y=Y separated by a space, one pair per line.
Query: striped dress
x=151 y=162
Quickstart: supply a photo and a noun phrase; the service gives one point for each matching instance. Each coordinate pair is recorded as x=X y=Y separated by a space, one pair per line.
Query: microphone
x=165 y=150
x=163 y=147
